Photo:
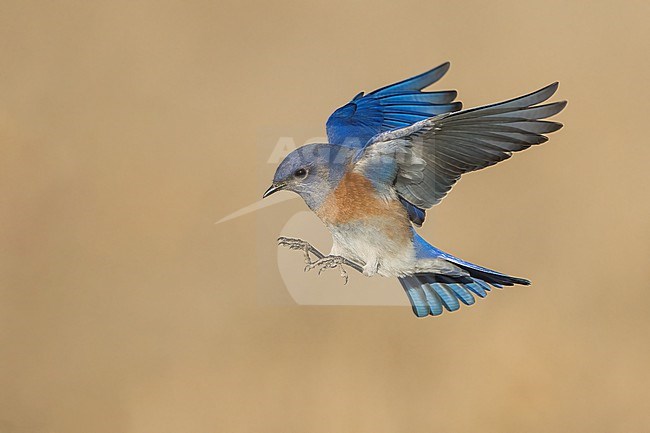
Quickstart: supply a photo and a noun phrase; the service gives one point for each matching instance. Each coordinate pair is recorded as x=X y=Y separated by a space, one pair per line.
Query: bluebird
x=393 y=154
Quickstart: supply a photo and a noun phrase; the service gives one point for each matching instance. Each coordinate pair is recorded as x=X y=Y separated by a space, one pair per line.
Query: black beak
x=274 y=188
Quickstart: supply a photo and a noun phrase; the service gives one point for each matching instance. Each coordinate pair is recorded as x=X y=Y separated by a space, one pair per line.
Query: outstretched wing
x=427 y=158
x=391 y=107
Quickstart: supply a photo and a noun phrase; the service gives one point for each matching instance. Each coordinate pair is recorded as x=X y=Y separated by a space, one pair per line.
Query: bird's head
x=311 y=171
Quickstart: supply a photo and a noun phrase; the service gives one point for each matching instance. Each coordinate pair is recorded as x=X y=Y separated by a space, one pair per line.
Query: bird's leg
x=371 y=267
x=323 y=262
x=299 y=244
x=330 y=262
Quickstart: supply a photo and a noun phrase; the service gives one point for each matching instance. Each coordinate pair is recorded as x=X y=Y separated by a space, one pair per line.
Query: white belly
x=378 y=254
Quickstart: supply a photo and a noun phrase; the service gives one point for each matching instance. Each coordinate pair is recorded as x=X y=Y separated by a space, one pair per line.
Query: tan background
x=128 y=128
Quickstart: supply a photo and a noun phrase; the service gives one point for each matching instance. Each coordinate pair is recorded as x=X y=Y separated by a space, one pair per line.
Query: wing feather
x=431 y=155
x=391 y=107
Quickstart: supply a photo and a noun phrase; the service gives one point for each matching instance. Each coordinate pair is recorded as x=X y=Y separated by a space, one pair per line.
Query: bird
x=391 y=155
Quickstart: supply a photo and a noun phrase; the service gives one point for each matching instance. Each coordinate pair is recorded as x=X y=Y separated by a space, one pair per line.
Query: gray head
x=312 y=171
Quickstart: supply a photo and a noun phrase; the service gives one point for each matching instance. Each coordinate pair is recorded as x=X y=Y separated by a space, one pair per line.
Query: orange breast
x=356 y=200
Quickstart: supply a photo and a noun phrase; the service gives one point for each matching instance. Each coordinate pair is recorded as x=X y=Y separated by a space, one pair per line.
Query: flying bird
x=392 y=154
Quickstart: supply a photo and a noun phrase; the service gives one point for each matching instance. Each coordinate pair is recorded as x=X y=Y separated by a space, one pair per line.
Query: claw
x=323 y=262
x=299 y=244
x=330 y=262
x=344 y=274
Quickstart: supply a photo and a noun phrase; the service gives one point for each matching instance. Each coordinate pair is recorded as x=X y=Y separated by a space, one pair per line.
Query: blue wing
x=391 y=107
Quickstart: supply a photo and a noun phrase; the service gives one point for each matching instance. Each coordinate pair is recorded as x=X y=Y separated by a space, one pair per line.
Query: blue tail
x=430 y=292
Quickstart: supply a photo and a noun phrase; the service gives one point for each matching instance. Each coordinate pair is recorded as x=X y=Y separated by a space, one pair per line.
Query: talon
x=322 y=262
x=344 y=274
x=329 y=262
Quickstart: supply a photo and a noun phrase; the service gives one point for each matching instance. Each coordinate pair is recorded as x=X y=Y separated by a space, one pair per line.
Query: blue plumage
x=447 y=290
x=394 y=153
x=391 y=107
x=395 y=106
x=415 y=214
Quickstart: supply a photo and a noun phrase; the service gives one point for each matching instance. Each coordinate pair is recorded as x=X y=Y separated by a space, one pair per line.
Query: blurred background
x=128 y=128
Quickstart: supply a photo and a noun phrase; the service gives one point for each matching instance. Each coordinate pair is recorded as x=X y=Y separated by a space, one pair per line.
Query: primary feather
x=432 y=154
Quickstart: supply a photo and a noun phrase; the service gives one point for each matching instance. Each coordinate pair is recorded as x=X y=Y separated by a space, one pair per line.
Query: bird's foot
x=299 y=244
x=330 y=262
x=323 y=262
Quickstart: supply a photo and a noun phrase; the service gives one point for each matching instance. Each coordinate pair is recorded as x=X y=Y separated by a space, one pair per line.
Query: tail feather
x=421 y=302
x=478 y=287
x=433 y=301
x=462 y=293
x=446 y=296
x=431 y=294
x=492 y=277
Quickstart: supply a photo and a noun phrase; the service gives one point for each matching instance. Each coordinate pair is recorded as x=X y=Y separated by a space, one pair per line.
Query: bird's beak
x=274 y=188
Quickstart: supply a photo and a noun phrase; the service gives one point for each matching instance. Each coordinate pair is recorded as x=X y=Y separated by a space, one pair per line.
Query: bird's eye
x=300 y=173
